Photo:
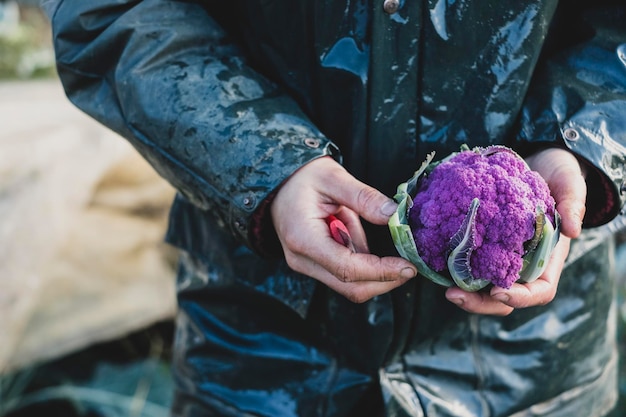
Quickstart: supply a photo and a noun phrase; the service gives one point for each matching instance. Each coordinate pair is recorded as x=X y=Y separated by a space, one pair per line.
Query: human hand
x=566 y=180
x=299 y=211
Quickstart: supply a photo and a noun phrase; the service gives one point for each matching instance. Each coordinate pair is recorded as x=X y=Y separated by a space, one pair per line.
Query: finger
x=318 y=248
x=363 y=291
x=366 y=201
x=566 y=181
x=539 y=292
x=543 y=289
x=347 y=281
x=357 y=291
x=570 y=191
x=477 y=302
x=346 y=266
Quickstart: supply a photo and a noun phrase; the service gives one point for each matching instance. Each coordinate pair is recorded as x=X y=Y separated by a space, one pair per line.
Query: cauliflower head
x=480 y=217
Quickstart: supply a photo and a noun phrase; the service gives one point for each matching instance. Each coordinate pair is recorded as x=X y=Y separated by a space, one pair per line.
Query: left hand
x=566 y=180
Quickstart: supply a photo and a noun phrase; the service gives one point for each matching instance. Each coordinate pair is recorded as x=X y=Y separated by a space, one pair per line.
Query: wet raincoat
x=227 y=99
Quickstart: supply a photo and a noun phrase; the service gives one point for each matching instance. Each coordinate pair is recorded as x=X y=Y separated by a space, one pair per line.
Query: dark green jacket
x=227 y=98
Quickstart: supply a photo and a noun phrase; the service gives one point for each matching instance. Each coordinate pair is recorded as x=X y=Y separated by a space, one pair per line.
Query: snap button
x=240 y=224
x=248 y=201
x=391 y=6
x=312 y=143
x=571 y=134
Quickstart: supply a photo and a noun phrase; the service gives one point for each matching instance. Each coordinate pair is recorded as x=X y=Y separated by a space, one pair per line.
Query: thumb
x=366 y=201
x=566 y=180
x=325 y=184
x=569 y=191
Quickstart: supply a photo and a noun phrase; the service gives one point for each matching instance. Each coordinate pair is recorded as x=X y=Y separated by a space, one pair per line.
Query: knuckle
x=294 y=243
x=345 y=273
x=366 y=196
x=378 y=267
x=358 y=295
x=293 y=262
x=387 y=271
x=335 y=176
x=548 y=297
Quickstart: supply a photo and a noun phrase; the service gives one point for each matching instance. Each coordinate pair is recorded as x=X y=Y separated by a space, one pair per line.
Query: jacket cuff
x=262 y=236
x=606 y=172
x=603 y=202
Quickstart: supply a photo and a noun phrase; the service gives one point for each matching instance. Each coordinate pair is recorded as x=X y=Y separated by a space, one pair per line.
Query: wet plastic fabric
x=227 y=99
x=241 y=350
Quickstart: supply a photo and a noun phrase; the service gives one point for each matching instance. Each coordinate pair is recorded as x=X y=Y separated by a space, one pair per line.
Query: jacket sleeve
x=167 y=77
x=578 y=99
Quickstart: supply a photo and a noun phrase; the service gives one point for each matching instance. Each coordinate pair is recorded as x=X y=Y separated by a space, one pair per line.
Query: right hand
x=566 y=179
x=299 y=211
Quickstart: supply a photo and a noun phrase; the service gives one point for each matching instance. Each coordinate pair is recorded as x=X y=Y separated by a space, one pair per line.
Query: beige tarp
x=82 y=219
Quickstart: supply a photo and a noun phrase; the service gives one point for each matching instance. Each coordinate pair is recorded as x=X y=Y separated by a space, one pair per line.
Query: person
x=270 y=116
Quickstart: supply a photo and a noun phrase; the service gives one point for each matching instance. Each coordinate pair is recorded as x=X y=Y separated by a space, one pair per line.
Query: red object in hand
x=339 y=232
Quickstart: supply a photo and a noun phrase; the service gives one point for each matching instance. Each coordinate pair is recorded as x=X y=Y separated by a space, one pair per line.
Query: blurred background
x=86 y=284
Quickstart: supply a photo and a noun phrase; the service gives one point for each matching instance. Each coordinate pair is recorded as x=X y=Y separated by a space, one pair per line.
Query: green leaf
x=536 y=260
x=400 y=230
x=405 y=245
x=462 y=247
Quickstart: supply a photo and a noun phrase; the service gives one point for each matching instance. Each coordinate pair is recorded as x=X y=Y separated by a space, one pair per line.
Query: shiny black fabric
x=241 y=351
x=227 y=99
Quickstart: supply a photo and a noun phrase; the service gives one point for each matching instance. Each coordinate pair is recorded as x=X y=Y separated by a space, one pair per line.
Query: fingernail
x=388 y=208
x=502 y=297
x=457 y=300
x=408 y=273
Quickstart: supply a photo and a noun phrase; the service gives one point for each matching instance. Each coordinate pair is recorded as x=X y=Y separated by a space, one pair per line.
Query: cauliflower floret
x=509 y=194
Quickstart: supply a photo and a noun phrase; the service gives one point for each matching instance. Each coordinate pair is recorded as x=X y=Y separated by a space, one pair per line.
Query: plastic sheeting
x=82 y=218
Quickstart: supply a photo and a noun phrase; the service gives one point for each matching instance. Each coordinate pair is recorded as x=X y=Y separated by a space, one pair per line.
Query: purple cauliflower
x=479 y=217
